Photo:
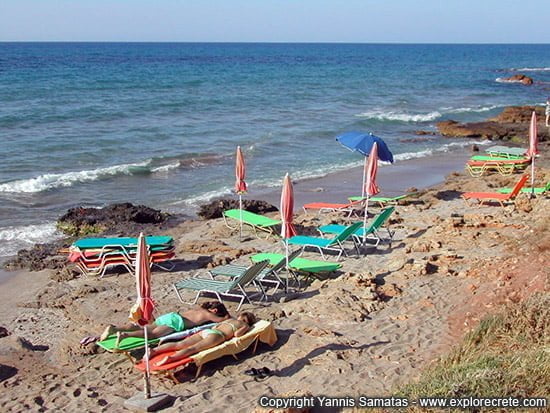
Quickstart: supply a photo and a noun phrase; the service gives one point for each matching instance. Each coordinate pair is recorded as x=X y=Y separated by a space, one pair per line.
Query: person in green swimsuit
x=207 y=312
x=205 y=339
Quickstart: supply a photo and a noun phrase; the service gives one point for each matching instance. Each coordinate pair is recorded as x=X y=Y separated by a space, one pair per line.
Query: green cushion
x=126 y=344
x=381 y=199
x=298 y=263
x=87 y=243
x=495 y=158
x=198 y=284
x=315 y=241
x=251 y=218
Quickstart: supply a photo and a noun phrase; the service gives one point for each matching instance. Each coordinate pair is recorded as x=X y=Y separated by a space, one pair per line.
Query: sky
x=352 y=21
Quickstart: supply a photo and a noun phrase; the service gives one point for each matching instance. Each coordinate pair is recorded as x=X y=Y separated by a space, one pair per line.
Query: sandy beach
x=364 y=330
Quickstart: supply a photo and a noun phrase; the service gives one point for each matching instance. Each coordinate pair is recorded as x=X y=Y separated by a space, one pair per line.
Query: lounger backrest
x=251 y=273
x=381 y=218
x=282 y=262
x=344 y=235
x=518 y=186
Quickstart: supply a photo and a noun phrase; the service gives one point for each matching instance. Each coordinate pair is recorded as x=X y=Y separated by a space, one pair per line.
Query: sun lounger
x=261 y=331
x=231 y=288
x=324 y=244
x=496 y=196
x=89 y=243
x=256 y=221
x=333 y=207
x=371 y=232
x=504 y=167
x=537 y=190
x=269 y=275
x=506 y=151
x=382 y=200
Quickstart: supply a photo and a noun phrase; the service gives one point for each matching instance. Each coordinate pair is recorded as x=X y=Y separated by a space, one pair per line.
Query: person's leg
x=177 y=345
x=210 y=341
x=153 y=331
x=112 y=329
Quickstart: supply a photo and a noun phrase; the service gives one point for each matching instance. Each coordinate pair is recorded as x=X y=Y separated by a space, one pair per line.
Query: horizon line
x=264 y=42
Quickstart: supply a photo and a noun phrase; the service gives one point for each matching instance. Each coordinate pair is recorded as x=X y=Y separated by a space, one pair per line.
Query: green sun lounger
x=232 y=288
x=371 y=232
x=506 y=151
x=382 y=200
x=269 y=275
x=332 y=244
x=256 y=221
x=299 y=264
x=537 y=190
x=91 y=243
x=126 y=344
x=496 y=158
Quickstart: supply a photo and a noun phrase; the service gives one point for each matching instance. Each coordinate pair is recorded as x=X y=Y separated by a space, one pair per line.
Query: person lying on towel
x=206 y=339
x=208 y=312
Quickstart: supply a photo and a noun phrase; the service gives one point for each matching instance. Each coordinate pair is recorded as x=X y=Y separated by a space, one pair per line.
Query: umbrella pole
x=364 y=178
x=287 y=270
x=532 y=177
x=146 y=384
x=365 y=219
x=241 y=217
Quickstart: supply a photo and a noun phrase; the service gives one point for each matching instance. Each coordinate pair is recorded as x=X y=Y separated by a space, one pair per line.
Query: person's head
x=247 y=318
x=215 y=307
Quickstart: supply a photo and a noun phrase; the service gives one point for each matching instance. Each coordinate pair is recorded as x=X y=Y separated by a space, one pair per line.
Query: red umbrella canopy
x=240 y=172
x=142 y=311
x=287 y=208
x=371 y=168
x=533 y=140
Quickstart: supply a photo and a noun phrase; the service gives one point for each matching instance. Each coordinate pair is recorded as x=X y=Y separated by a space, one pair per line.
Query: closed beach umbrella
x=287 y=210
x=370 y=189
x=240 y=184
x=533 y=149
x=362 y=143
x=142 y=311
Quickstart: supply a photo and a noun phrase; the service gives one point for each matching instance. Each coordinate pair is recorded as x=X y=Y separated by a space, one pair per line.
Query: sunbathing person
x=205 y=339
x=208 y=312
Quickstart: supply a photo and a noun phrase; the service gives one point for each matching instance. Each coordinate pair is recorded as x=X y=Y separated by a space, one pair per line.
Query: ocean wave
x=51 y=181
x=15 y=238
x=400 y=117
x=531 y=69
x=166 y=168
x=469 y=110
x=506 y=80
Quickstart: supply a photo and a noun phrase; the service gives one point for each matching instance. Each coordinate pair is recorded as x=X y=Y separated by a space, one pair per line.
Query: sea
x=158 y=123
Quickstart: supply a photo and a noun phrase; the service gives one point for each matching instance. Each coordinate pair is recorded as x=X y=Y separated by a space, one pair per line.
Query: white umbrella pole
x=533 y=176
x=241 y=217
x=365 y=219
x=287 y=270
x=364 y=178
x=147 y=386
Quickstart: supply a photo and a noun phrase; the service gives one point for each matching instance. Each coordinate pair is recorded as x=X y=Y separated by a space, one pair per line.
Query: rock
x=215 y=208
x=511 y=124
x=519 y=78
x=39 y=257
x=112 y=218
x=4 y=332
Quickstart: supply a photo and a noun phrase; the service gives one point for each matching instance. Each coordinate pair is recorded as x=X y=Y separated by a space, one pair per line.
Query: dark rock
x=39 y=257
x=81 y=221
x=475 y=148
x=7 y=372
x=4 y=332
x=512 y=124
x=519 y=78
x=215 y=209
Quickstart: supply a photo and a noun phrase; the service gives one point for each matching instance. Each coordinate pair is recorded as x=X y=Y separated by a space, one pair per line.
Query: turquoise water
x=94 y=123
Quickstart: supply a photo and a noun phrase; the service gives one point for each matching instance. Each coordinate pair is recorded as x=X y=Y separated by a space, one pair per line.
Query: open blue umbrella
x=362 y=143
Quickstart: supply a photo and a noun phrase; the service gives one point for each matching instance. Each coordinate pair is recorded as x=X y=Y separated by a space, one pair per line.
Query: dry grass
x=506 y=355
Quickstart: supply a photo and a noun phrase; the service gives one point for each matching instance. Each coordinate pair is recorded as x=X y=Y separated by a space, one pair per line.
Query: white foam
x=51 y=181
x=505 y=80
x=166 y=168
x=531 y=69
x=12 y=239
x=401 y=117
x=469 y=110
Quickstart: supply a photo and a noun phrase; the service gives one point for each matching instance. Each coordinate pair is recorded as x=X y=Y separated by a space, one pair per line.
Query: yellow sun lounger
x=261 y=331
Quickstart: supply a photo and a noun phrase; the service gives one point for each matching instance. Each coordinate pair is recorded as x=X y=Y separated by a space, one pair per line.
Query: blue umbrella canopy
x=362 y=143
